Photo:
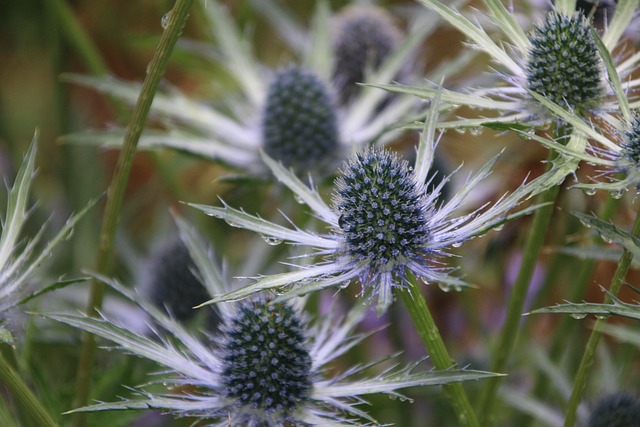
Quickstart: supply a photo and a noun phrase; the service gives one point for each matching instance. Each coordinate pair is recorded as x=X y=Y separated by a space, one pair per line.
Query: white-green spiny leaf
x=611 y=233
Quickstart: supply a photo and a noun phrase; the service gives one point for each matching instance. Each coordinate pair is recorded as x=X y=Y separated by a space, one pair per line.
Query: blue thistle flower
x=382 y=214
x=173 y=284
x=564 y=63
x=299 y=125
x=616 y=410
x=266 y=364
x=364 y=37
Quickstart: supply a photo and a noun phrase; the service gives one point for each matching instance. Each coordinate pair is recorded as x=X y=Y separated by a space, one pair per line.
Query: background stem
x=115 y=194
x=27 y=400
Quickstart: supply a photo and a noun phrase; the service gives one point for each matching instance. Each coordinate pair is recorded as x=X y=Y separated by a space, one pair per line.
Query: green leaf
x=614 y=77
x=52 y=287
x=505 y=20
x=611 y=233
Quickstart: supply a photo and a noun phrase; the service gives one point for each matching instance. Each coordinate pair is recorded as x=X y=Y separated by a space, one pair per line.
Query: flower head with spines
x=365 y=36
x=382 y=214
x=172 y=283
x=267 y=366
x=299 y=124
x=564 y=63
x=385 y=222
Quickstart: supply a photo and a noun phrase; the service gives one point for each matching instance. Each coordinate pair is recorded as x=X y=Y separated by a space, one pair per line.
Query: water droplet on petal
x=590 y=191
x=578 y=316
x=456 y=244
x=616 y=194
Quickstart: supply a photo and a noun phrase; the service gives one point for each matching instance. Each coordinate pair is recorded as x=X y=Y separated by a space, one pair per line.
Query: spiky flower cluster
x=564 y=63
x=173 y=285
x=381 y=212
x=616 y=410
x=630 y=152
x=365 y=36
x=299 y=125
x=266 y=366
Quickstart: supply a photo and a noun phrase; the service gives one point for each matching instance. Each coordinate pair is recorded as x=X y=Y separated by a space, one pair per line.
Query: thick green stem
x=580 y=382
x=506 y=342
x=428 y=331
x=27 y=400
x=115 y=195
x=563 y=330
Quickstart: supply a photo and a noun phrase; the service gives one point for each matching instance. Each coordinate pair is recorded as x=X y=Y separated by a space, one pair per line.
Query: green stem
x=533 y=245
x=428 y=331
x=115 y=194
x=566 y=323
x=24 y=396
x=580 y=382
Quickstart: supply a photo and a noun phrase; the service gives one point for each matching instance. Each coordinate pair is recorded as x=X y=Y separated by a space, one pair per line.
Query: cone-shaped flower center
x=564 y=63
x=299 y=124
x=631 y=145
x=266 y=365
x=365 y=37
x=173 y=284
x=381 y=213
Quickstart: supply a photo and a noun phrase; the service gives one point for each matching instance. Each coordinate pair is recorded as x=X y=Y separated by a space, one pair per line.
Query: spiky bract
x=564 y=63
x=299 y=125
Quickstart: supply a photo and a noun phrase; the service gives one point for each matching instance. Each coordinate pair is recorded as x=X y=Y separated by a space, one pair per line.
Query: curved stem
x=506 y=342
x=115 y=193
x=23 y=395
x=580 y=382
x=428 y=331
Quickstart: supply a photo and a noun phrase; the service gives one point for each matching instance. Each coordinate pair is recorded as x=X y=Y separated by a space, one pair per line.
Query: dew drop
x=601 y=317
x=165 y=20
x=590 y=191
x=461 y=130
x=281 y=290
x=617 y=194
x=273 y=241
x=585 y=223
x=499 y=227
x=578 y=316
x=606 y=239
x=232 y=223
x=477 y=130
x=456 y=244
x=444 y=287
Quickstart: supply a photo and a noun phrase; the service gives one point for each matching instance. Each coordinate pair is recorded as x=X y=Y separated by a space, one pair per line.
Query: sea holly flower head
x=299 y=124
x=564 y=64
x=172 y=283
x=364 y=37
x=382 y=215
